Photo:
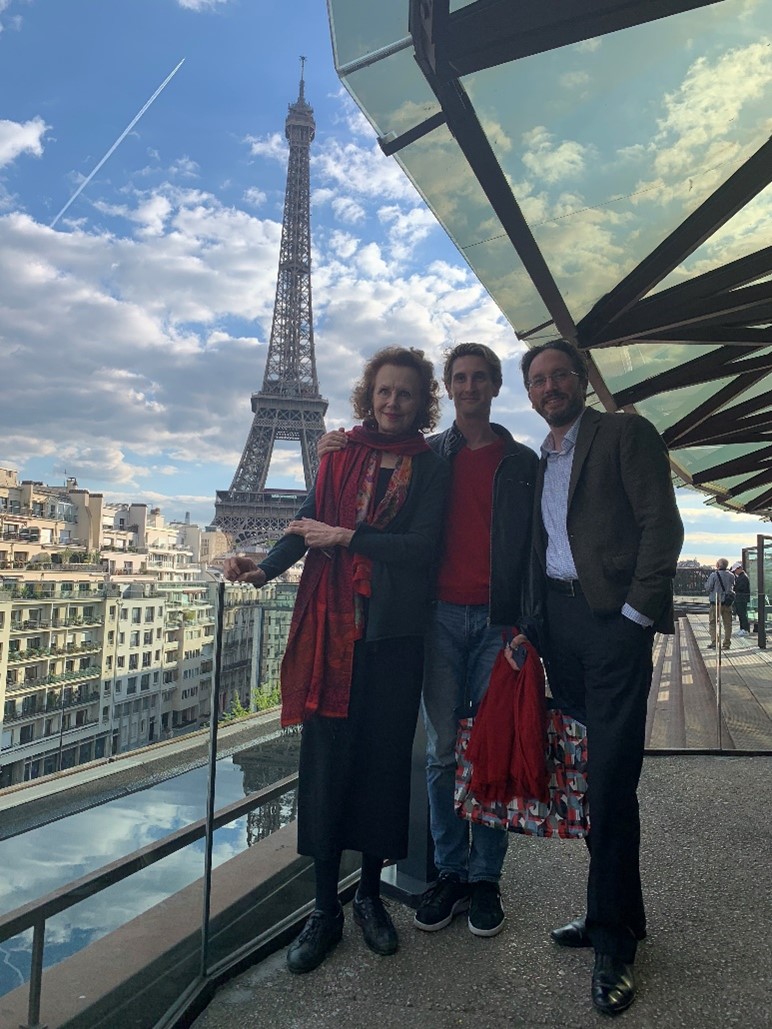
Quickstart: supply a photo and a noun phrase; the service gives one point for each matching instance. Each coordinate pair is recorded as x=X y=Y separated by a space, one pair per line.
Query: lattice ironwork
x=289 y=405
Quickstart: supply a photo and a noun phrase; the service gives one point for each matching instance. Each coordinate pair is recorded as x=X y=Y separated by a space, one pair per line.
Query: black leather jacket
x=511 y=597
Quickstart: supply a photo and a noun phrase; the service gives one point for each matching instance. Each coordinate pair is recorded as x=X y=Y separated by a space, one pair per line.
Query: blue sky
x=134 y=331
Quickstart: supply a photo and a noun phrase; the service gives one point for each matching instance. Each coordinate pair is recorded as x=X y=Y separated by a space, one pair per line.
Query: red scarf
x=509 y=734
x=318 y=662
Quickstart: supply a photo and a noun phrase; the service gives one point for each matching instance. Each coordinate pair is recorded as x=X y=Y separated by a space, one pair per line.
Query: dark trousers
x=599 y=670
x=741 y=607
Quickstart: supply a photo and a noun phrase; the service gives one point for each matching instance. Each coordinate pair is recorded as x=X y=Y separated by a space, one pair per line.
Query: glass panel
x=253 y=753
x=394 y=94
x=359 y=29
x=623 y=136
x=105 y=707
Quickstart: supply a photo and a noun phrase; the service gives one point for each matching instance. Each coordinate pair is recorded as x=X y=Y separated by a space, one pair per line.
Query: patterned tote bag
x=566 y=815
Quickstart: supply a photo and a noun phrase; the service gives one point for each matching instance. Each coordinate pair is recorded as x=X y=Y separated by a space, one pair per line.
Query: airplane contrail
x=118 y=142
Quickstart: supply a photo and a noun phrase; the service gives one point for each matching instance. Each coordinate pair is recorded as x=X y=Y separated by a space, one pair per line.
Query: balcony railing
x=34 y=916
x=51 y=708
x=35 y=654
x=92 y=672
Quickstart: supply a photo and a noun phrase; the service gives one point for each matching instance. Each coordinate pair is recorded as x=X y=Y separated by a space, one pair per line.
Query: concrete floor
x=705 y=965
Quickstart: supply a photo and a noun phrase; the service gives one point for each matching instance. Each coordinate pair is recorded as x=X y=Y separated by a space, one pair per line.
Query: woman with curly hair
x=353 y=667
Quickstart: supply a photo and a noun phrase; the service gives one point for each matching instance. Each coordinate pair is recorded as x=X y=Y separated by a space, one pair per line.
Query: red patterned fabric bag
x=566 y=815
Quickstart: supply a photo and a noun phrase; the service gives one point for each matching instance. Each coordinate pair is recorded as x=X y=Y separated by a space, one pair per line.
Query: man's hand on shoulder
x=331 y=441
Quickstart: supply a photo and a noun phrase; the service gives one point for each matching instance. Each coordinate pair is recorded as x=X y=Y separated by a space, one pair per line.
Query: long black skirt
x=354 y=772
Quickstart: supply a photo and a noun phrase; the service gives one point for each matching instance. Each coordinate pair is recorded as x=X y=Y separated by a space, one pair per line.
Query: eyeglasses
x=559 y=378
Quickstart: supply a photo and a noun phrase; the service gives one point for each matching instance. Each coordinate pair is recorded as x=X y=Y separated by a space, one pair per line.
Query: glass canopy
x=605 y=171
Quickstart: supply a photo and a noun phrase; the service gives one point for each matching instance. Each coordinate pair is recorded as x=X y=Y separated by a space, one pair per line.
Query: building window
x=121 y=661
x=27 y=734
x=133 y=661
x=144 y=682
x=134 y=639
x=131 y=686
x=136 y=615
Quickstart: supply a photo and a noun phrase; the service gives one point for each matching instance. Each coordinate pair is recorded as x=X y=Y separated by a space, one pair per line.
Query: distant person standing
x=742 y=596
x=720 y=583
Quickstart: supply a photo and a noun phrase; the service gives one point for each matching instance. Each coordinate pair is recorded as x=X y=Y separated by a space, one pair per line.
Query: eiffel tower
x=289 y=406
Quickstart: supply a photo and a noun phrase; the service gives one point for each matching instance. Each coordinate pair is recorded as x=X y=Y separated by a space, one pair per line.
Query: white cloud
x=406 y=229
x=361 y=171
x=21 y=137
x=589 y=46
x=201 y=5
x=254 y=197
x=342 y=244
x=704 y=128
x=185 y=168
x=273 y=146
x=348 y=210
x=574 y=79
x=551 y=161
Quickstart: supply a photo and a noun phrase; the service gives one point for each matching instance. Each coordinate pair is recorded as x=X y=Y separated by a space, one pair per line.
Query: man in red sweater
x=481 y=591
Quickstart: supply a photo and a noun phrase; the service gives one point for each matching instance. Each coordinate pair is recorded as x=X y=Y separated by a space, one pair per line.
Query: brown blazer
x=623 y=523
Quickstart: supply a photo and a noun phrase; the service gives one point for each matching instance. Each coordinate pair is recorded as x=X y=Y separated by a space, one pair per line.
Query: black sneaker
x=320 y=934
x=486 y=915
x=442 y=902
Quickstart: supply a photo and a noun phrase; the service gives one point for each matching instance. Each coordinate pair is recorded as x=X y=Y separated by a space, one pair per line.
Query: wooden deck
x=683 y=705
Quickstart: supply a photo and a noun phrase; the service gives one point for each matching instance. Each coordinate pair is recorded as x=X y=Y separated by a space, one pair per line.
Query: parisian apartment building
x=108 y=622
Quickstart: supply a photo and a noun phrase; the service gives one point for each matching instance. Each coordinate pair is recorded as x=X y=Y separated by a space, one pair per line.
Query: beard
x=564 y=415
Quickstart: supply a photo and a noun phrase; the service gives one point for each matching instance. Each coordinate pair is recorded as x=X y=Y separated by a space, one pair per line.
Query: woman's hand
x=320 y=535
x=331 y=441
x=243 y=569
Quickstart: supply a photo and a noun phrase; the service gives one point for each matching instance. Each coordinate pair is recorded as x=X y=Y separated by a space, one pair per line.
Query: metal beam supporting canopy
x=492 y=32
x=734 y=194
x=610 y=164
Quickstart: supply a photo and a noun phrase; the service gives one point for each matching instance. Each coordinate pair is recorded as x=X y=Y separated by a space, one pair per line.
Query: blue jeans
x=460 y=651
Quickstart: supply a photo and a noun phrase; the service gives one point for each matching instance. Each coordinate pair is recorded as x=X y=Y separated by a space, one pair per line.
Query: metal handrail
x=35 y=914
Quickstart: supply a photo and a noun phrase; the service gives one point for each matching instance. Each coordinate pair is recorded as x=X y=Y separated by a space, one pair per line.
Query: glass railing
x=170 y=857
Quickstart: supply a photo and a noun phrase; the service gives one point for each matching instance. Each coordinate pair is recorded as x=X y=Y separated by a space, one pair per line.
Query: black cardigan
x=404 y=555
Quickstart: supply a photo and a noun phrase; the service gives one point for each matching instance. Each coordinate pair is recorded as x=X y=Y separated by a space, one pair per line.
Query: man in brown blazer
x=607 y=535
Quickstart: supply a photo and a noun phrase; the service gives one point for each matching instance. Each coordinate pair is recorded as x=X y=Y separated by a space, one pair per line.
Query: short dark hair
x=362 y=395
x=576 y=356
x=472 y=350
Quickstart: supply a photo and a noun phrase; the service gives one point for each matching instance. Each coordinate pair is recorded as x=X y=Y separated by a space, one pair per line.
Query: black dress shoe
x=376 y=924
x=320 y=934
x=575 y=934
x=572 y=935
x=613 y=984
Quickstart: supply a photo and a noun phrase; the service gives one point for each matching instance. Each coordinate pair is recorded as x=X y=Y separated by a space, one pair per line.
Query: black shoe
x=321 y=933
x=572 y=935
x=613 y=984
x=486 y=915
x=575 y=934
x=711 y=646
x=439 y=905
x=376 y=924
